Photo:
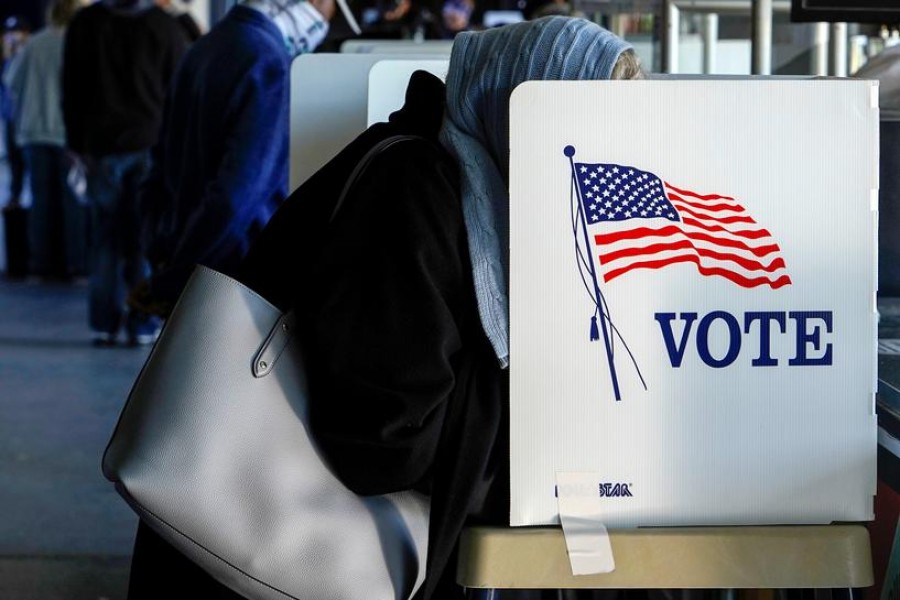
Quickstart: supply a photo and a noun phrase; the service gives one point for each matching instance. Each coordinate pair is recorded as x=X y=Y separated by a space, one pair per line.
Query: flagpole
x=569 y=151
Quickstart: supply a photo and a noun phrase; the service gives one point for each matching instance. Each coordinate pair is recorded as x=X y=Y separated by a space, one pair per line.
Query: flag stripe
x=727 y=220
x=753 y=234
x=708 y=207
x=695 y=195
x=641 y=232
x=747 y=282
x=746 y=263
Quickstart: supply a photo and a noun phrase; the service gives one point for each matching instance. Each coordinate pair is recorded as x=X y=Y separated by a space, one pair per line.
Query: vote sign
x=692 y=299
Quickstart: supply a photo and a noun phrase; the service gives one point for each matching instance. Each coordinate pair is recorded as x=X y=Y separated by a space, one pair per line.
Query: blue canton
x=617 y=193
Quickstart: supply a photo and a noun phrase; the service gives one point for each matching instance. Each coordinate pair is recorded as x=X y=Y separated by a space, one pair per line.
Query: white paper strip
x=580 y=513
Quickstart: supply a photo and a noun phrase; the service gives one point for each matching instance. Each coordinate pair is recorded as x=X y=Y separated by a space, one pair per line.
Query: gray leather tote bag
x=212 y=450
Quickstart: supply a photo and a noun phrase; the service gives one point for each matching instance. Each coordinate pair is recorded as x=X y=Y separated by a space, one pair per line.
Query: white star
x=606 y=193
x=596 y=188
x=589 y=195
x=595 y=218
x=615 y=169
x=587 y=182
x=583 y=169
x=593 y=175
x=593 y=206
x=627 y=214
x=607 y=204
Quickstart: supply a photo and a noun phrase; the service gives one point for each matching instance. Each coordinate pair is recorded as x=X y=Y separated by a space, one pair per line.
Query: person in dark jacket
x=401 y=299
x=220 y=168
x=219 y=171
x=118 y=59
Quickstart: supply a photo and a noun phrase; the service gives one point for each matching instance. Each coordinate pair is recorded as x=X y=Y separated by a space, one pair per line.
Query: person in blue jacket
x=220 y=168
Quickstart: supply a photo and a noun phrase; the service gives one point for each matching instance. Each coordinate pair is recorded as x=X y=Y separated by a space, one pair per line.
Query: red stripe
x=746 y=282
x=746 y=263
x=683 y=209
x=710 y=207
x=758 y=251
x=753 y=234
x=633 y=234
x=641 y=232
x=695 y=195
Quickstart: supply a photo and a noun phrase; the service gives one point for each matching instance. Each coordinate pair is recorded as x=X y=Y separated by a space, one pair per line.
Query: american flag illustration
x=638 y=221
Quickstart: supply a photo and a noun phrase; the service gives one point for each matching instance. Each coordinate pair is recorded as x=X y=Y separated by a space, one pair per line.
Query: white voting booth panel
x=388 y=80
x=692 y=284
x=406 y=47
x=329 y=106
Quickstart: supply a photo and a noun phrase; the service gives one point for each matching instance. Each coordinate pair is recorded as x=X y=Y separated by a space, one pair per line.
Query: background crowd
x=139 y=140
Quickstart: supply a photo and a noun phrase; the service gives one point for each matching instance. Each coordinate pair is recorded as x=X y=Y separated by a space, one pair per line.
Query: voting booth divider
x=322 y=123
x=692 y=302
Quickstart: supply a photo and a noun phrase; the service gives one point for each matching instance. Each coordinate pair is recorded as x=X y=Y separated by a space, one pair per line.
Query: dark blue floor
x=64 y=533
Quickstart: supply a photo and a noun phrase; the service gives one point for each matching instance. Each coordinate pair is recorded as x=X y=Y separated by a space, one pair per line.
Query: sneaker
x=101 y=339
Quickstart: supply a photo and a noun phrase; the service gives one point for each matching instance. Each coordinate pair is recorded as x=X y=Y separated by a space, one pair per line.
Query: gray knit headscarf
x=485 y=67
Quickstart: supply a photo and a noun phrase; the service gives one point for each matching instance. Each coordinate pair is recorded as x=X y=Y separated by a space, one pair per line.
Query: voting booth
x=352 y=92
x=692 y=301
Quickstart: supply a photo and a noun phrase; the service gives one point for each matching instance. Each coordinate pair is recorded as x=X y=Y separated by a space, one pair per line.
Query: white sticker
x=580 y=512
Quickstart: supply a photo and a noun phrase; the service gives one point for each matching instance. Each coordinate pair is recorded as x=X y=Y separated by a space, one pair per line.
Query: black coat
x=405 y=389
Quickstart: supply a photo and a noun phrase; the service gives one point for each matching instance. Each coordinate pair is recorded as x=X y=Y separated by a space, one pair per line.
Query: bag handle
x=363 y=164
x=278 y=338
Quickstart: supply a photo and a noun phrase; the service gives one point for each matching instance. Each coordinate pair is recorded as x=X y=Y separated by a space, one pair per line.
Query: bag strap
x=363 y=164
x=275 y=343
x=280 y=335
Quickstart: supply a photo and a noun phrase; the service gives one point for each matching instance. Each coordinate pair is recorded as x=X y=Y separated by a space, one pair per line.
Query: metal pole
x=670 y=33
x=820 y=49
x=761 y=46
x=710 y=39
x=838 y=47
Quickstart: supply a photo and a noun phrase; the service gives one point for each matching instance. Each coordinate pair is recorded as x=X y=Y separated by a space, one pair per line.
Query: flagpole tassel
x=595 y=331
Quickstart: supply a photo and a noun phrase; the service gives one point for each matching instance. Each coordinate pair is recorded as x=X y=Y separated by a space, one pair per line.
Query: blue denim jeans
x=57 y=223
x=116 y=260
